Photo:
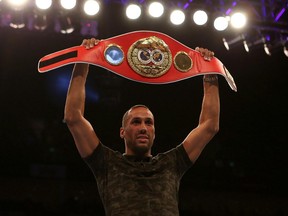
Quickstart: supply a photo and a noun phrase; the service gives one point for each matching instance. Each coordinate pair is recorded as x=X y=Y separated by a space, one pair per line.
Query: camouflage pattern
x=129 y=187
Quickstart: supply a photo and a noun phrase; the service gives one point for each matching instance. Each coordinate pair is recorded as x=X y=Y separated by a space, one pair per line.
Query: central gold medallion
x=150 y=57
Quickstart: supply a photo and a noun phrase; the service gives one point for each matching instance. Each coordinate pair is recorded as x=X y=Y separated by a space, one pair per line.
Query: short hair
x=131 y=108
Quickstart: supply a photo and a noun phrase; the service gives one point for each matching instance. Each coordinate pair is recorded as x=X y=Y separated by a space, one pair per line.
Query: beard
x=141 y=148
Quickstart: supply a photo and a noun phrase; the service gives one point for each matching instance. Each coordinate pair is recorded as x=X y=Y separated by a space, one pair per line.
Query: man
x=136 y=183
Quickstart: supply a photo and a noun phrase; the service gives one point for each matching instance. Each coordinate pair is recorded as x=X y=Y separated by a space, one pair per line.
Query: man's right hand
x=90 y=43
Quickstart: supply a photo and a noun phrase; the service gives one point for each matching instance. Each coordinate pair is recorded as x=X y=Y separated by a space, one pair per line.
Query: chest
x=144 y=177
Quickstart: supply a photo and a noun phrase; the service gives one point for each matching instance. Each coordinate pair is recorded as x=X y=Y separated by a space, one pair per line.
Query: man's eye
x=149 y=122
x=135 y=121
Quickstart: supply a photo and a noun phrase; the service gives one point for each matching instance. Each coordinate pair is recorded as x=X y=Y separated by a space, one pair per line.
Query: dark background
x=242 y=171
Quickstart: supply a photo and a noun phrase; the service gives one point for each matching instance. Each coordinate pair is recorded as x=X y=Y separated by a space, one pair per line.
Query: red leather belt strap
x=142 y=56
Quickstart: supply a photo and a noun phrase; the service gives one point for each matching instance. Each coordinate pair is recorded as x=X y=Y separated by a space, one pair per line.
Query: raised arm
x=82 y=131
x=208 y=124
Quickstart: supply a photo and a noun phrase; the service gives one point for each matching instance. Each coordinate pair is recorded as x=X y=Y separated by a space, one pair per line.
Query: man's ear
x=122 y=132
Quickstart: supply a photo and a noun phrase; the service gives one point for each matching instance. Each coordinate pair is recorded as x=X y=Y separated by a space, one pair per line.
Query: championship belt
x=142 y=56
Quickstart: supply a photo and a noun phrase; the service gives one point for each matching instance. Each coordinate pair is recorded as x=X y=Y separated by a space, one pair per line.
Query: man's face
x=138 y=131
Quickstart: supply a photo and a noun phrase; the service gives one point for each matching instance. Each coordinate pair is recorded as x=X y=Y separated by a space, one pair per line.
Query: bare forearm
x=75 y=100
x=211 y=102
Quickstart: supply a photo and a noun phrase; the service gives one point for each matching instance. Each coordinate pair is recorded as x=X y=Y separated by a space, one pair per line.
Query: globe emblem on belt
x=150 y=57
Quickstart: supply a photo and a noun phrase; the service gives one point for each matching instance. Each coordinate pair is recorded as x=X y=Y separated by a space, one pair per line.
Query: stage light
x=40 y=21
x=255 y=43
x=221 y=23
x=91 y=7
x=285 y=50
x=68 y=4
x=267 y=45
x=64 y=22
x=200 y=17
x=177 y=17
x=246 y=46
x=284 y=43
x=17 y=19
x=225 y=43
x=156 y=9
x=17 y=4
x=234 y=41
x=43 y=4
x=133 y=11
x=64 y=25
x=238 y=20
x=267 y=49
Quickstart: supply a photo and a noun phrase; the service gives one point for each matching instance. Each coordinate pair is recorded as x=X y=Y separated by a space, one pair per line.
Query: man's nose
x=143 y=128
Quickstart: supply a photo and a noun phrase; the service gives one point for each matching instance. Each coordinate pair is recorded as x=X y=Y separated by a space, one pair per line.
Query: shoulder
x=177 y=154
x=101 y=153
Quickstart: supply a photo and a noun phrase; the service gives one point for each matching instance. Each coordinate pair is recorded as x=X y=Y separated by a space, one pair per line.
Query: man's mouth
x=142 y=137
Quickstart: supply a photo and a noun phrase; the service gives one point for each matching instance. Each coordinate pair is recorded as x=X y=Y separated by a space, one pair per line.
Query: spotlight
x=66 y=26
x=248 y=46
x=17 y=20
x=267 y=45
x=221 y=23
x=17 y=4
x=200 y=17
x=40 y=21
x=133 y=11
x=43 y=5
x=177 y=17
x=91 y=7
x=40 y=16
x=68 y=4
x=267 y=49
x=284 y=43
x=156 y=9
x=234 y=41
x=285 y=50
x=225 y=43
x=238 y=20
x=63 y=23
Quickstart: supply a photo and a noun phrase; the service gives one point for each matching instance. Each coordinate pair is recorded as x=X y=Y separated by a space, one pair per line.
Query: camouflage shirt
x=131 y=187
